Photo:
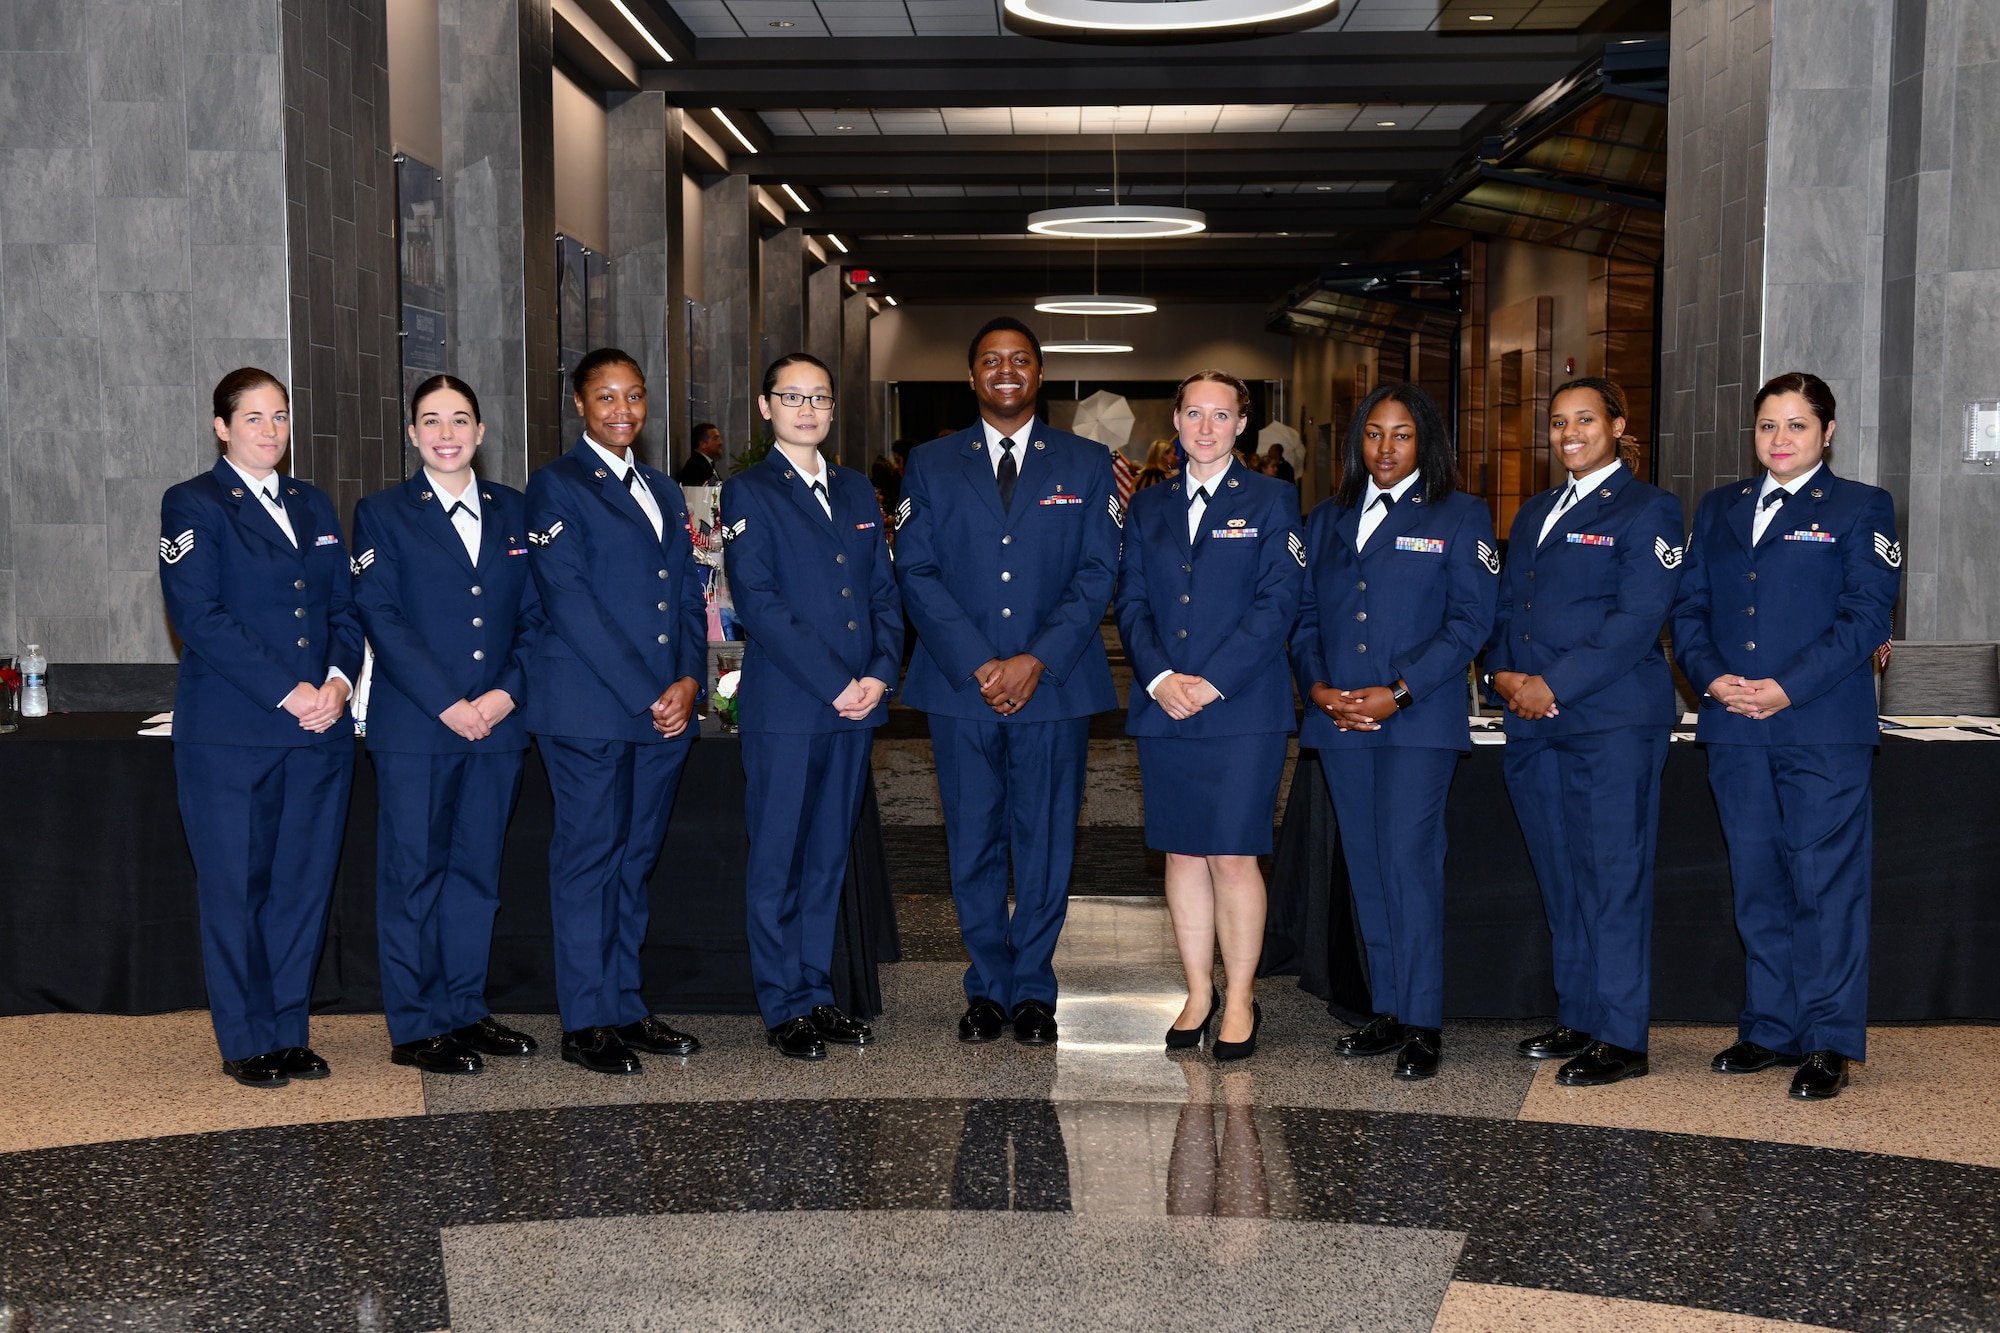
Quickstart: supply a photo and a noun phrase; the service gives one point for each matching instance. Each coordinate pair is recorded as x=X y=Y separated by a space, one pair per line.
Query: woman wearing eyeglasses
x=808 y=567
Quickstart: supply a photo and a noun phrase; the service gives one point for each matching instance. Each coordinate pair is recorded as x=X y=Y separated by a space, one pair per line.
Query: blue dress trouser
x=438 y=840
x=1015 y=785
x=803 y=796
x=1589 y=807
x=1800 y=823
x=264 y=826
x=613 y=800
x=1389 y=801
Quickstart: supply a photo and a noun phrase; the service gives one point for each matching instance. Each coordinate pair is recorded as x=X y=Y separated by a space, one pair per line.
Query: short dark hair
x=439 y=384
x=702 y=428
x=793 y=359
x=1001 y=324
x=901 y=448
x=1804 y=383
x=1437 y=455
x=595 y=361
x=230 y=389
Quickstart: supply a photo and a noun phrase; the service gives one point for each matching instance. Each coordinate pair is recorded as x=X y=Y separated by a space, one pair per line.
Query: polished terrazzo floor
x=919 y=1184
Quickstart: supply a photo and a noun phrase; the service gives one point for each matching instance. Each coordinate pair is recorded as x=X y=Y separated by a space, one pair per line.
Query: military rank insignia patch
x=1116 y=509
x=1489 y=558
x=544 y=538
x=1670 y=557
x=731 y=531
x=1891 y=552
x=1296 y=547
x=903 y=511
x=172 y=549
x=357 y=563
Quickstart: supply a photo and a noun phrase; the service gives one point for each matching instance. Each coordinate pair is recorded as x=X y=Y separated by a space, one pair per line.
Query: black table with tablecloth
x=1936 y=899
x=98 y=911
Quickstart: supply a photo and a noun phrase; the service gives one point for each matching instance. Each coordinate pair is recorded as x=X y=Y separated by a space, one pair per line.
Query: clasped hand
x=475 y=719
x=1007 y=683
x=1754 y=699
x=1528 y=697
x=674 y=707
x=1355 y=710
x=1182 y=696
x=317 y=707
x=858 y=700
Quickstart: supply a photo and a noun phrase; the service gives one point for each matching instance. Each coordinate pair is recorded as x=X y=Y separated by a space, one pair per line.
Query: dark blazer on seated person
x=443 y=628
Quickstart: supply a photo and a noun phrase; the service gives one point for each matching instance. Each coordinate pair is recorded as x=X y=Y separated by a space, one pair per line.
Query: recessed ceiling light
x=730 y=125
x=804 y=207
x=838 y=244
x=843 y=127
x=1633 y=41
x=642 y=30
x=1322 y=187
x=881 y=192
x=1386 y=124
x=1284 y=233
x=909 y=236
x=890 y=299
x=781 y=23
x=1478 y=18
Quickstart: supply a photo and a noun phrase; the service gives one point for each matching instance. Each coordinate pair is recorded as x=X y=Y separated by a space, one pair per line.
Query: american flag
x=1121 y=468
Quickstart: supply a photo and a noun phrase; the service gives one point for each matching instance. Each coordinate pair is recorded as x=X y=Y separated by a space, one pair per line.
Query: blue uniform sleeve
x=191 y=584
x=401 y=654
x=691 y=661
x=1471 y=589
x=758 y=586
x=1308 y=654
x=558 y=554
x=1075 y=620
x=347 y=646
x=1694 y=643
x=1649 y=574
x=1498 y=656
x=530 y=623
x=951 y=638
x=1872 y=568
x=1274 y=605
x=886 y=605
x=1136 y=628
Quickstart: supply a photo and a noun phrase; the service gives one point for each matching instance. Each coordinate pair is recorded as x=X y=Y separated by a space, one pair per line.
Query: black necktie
x=632 y=481
x=819 y=493
x=1006 y=474
x=1777 y=496
x=458 y=507
x=1387 y=500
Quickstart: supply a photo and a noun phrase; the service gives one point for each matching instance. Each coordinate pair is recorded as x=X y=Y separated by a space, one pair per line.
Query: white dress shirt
x=267 y=490
x=1577 y=489
x=622 y=468
x=462 y=510
x=1020 y=439
x=1765 y=514
x=818 y=481
x=1373 y=511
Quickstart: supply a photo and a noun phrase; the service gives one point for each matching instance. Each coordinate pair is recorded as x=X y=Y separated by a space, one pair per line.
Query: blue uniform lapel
x=1589 y=507
x=1222 y=506
x=437 y=524
x=254 y=517
x=978 y=467
x=1033 y=483
x=1405 y=514
x=612 y=488
x=795 y=485
x=1799 y=513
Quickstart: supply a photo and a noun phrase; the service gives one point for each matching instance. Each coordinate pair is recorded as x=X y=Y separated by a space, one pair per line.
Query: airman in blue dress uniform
x=1400 y=588
x=809 y=573
x=446 y=595
x=1790 y=588
x=1591 y=574
x=612 y=686
x=1208 y=590
x=1007 y=553
x=259 y=589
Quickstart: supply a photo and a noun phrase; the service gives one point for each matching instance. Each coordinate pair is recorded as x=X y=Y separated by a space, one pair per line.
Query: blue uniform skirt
x=1211 y=795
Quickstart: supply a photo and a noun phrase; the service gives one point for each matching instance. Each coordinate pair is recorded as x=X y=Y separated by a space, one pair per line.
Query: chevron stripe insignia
x=1296 y=547
x=172 y=549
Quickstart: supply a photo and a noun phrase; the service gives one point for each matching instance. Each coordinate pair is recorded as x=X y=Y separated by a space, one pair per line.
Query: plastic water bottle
x=34 y=683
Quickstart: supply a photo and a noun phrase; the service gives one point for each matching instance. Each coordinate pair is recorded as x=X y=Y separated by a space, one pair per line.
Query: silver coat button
x=840 y=560
x=479 y=654
x=304 y=642
x=1006 y=612
x=850 y=624
x=1362 y=647
x=1749 y=610
x=1007 y=540
x=1361 y=615
x=300 y=584
x=1751 y=646
x=846 y=592
x=663 y=573
x=661 y=606
x=1183 y=599
x=663 y=638
x=478 y=622
x=477 y=590
x=1180 y=634
x=1006 y=576
x=1361 y=587
x=299 y=613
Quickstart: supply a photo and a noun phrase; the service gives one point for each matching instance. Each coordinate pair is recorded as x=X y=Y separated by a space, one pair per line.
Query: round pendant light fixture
x=1087 y=346
x=1096 y=305
x=1113 y=17
x=1118 y=221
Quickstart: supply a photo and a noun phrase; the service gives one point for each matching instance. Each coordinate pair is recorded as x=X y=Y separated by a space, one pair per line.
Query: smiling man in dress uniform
x=1007 y=551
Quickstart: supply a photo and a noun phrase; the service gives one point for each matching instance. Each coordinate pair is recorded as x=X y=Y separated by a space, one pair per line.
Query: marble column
x=728 y=261
x=782 y=276
x=857 y=449
x=645 y=159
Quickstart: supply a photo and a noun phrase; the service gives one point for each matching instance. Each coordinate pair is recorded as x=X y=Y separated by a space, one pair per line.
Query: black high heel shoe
x=1181 y=1039
x=1241 y=1050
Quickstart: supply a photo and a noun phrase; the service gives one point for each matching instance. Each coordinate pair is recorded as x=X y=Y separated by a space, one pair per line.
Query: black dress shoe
x=1034 y=1023
x=1602 y=1065
x=1822 y=1075
x=599 y=1050
x=1240 y=1050
x=1747 y=1057
x=833 y=1025
x=1182 y=1039
x=797 y=1038
x=651 y=1034
x=1558 y=1043
x=302 y=1062
x=489 y=1036
x=259 y=1071
x=1421 y=1054
x=444 y=1054
x=1382 y=1035
x=983 y=1020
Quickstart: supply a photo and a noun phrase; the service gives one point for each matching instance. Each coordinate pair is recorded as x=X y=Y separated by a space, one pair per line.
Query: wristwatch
x=1401 y=694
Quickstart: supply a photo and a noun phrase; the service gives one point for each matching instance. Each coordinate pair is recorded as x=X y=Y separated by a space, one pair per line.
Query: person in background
x=887 y=474
x=612 y=686
x=700 y=468
x=258 y=586
x=1160 y=464
x=1591 y=574
x=1279 y=468
x=1790 y=585
x=446 y=595
x=1208 y=588
x=809 y=567
x=1400 y=587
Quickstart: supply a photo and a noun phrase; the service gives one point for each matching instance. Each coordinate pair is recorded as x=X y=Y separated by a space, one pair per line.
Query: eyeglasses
x=818 y=400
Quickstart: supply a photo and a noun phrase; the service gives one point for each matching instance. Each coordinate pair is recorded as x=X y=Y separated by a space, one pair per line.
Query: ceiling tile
x=847 y=121
x=978 y=120
x=786 y=123
x=1451 y=116
x=1046 y=119
x=1243 y=118
x=914 y=120
x=1321 y=119
x=937 y=192
x=1405 y=117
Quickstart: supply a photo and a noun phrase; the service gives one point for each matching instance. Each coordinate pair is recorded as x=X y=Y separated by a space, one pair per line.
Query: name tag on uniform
x=1232 y=532
x=1063 y=500
x=863 y=527
x=331 y=539
x=1591 y=539
x=1428 y=545
x=1825 y=538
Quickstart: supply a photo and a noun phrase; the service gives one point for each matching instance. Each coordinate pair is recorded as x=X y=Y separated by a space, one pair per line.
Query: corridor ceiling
x=923 y=132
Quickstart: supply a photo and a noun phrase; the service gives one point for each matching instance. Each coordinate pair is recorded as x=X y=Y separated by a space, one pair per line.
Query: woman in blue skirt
x=1208 y=587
